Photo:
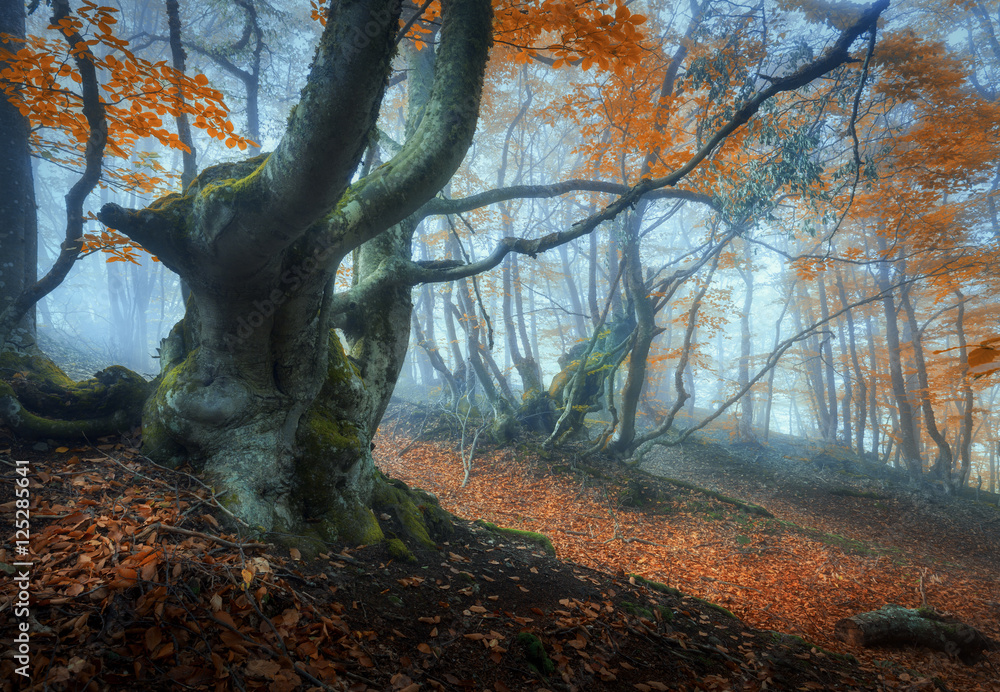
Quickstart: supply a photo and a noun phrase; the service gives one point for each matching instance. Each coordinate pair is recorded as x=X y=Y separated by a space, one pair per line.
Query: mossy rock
x=399 y=550
x=645 y=495
x=416 y=515
x=534 y=652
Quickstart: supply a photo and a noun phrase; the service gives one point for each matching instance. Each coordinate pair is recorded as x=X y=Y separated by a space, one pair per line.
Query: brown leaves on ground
x=771 y=574
x=136 y=586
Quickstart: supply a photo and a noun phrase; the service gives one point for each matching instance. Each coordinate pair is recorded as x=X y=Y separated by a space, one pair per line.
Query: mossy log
x=39 y=401
x=894 y=625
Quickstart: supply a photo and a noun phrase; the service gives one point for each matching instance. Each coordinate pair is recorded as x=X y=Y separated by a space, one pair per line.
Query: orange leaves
x=605 y=34
x=40 y=77
x=317 y=12
x=982 y=359
x=116 y=246
x=418 y=29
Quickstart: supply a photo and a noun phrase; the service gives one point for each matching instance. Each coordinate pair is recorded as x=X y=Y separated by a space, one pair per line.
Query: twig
x=643 y=541
x=199 y=534
x=214 y=499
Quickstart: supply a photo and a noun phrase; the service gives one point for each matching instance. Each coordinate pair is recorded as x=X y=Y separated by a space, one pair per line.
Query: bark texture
x=18 y=232
x=895 y=625
x=257 y=390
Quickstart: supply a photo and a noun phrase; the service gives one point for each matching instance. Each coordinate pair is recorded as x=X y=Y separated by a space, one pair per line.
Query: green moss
x=541 y=540
x=744 y=506
x=633 y=609
x=394 y=497
x=645 y=495
x=399 y=550
x=716 y=607
x=37 y=367
x=648 y=613
x=656 y=586
x=229 y=180
x=174 y=211
x=319 y=435
x=41 y=402
x=348 y=523
x=534 y=652
x=160 y=441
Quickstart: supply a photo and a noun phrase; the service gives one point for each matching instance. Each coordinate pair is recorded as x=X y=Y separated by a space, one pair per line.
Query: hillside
x=844 y=536
x=137 y=586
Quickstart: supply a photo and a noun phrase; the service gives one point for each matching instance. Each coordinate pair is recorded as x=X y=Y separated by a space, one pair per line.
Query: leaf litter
x=137 y=585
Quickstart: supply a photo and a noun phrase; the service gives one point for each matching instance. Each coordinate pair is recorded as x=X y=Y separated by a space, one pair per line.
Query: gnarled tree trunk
x=257 y=391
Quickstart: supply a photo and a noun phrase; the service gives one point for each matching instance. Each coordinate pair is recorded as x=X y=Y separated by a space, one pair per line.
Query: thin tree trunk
x=965 y=434
x=873 y=411
x=945 y=459
x=859 y=378
x=771 y=375
x=831 y=381
x=745 y=431
x=908 y=442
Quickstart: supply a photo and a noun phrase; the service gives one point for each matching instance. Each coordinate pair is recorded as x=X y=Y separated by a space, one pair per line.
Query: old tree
x=259 y=390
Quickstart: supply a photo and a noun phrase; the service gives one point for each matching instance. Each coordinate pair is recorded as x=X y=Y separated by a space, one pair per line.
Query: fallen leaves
x=802 y=585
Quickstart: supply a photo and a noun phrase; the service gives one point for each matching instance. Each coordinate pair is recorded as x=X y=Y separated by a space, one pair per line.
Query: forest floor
x=135 y=585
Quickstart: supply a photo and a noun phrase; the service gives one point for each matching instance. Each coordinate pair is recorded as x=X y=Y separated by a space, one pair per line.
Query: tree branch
x=441 y=205
x=97 y=139
x=433 y=153
x=835 y=56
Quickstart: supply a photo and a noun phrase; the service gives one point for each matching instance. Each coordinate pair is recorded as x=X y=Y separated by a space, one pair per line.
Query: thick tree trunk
x=257 y=391
x=18 y=229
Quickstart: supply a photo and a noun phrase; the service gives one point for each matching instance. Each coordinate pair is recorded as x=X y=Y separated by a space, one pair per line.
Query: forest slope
x=839 y=542
x=136 y=583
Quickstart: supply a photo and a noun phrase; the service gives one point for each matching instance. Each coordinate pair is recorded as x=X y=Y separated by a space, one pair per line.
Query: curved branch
x=832 y=58
x=97 y=139
x=441 y=206
x=416 y=273
x=433 y=153
x=327 y=134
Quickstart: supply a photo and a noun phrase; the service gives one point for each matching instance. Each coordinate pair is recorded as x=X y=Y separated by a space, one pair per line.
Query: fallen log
x=899 y=626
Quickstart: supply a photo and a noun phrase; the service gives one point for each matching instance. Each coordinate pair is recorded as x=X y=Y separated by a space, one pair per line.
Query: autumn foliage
x=42 y=79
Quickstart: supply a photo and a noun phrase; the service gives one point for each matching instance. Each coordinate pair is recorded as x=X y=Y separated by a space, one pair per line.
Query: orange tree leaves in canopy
x=558 y=31
x=40 y=76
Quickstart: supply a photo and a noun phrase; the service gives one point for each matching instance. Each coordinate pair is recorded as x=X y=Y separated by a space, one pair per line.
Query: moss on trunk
x=39 y=401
